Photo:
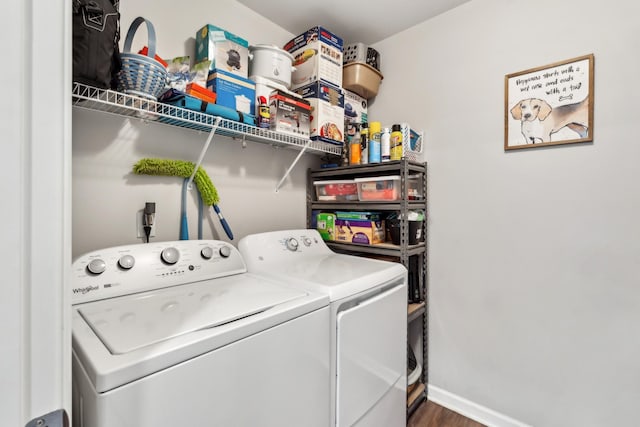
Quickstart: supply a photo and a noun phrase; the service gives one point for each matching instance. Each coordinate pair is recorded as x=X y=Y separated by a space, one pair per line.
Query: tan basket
x=361 y=78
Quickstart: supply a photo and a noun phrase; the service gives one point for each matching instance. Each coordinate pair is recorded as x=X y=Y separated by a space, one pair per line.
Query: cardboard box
x=326 y=225
x=289 y=114
x=265 y=87
x=359 y=231
x=233 y=91
x=317 y=56
x=327 y=111
x=225 y=50
x=355 y=108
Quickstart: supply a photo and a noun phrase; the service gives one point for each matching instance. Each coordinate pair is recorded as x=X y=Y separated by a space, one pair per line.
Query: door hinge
x=57 y=418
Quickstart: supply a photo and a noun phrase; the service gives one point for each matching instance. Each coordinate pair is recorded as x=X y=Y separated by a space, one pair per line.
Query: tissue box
x=289 y=114
x=225 y=50
x=327 y=111
x=317 y=56
x=359 y=231
x=355 y=108
x=233 y=91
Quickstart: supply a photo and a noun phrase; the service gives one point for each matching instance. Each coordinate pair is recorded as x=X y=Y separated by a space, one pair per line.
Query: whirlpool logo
x=85 y=290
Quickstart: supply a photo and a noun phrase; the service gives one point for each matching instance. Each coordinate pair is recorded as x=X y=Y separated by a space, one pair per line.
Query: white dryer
x=368 y=300
x=179 y=334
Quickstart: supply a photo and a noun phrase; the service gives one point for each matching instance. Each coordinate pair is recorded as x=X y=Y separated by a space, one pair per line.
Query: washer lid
x=337 y=275
x=129 y=323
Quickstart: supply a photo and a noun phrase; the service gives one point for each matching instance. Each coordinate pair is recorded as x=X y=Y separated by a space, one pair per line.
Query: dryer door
x=371 y=347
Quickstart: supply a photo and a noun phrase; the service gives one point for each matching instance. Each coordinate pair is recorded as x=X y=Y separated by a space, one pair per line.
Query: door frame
x=35 y=311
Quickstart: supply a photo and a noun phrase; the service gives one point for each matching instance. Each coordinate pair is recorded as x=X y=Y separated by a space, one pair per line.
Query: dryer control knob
x=170 y=255
x=292 y=244
x=96 y=266
x=126 y=262
x=206 y=252
x=225 y=251
x=306 y=241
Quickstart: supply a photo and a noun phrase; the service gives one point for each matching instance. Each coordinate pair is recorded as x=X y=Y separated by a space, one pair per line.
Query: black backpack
x=96 y=33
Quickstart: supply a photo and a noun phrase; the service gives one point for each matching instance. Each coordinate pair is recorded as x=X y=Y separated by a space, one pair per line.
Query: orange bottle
x=355 y=150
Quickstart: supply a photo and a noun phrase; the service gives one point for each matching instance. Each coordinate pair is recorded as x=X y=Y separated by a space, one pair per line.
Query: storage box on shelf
x=407 y=183
x=225 y=50
x=289 y=114
x=355 y=108
x=379 y=188
x=337 y=190
x=317 y=56
x=327 y=106
x=233 y=91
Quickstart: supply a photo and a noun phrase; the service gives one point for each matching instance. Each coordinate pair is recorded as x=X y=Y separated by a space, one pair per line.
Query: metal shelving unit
x=416 y=311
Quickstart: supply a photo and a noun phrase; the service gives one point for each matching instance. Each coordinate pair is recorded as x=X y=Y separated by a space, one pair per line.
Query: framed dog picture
x=549 y=105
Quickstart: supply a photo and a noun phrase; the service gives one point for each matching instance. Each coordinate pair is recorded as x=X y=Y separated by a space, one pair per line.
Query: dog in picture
x=539 y=120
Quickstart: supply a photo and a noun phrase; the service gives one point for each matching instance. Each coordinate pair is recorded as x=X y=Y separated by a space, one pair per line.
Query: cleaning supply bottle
x=374 y=142
x=364 y=143
x=396 y=142
x=364 y=150
x=264 y=115
x=355 y=149
x=385 y=145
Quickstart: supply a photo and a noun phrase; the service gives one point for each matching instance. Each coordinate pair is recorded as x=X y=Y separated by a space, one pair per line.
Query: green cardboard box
x=326 y=225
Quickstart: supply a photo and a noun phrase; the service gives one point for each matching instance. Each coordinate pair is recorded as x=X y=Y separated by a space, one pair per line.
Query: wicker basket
x=141 y=75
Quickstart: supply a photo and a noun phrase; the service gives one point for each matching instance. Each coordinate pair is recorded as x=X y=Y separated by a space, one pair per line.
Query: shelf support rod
x=203 y=152
x=286 y=174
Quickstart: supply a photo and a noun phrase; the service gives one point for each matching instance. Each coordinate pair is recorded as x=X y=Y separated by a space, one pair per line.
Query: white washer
x=368 y=329
x=179 y=334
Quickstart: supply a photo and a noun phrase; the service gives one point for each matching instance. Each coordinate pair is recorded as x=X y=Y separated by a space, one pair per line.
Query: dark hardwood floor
x=430 y=414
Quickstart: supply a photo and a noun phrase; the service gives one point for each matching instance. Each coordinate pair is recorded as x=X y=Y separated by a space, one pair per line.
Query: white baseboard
x=470 y=409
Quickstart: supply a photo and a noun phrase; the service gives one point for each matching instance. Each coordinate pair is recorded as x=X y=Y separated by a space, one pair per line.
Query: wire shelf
x=122 y=104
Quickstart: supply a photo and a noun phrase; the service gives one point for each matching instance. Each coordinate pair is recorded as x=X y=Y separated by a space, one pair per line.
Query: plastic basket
x=141 y=75
x=412 y=142
x=359 y=52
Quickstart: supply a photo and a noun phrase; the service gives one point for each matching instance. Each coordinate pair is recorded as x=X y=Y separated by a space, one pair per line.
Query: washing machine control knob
x=306 y=241
x=206 y=252
x=292 y=244
x=126 y=262
x=96 y=266
x=170 y=255
x=225 y=252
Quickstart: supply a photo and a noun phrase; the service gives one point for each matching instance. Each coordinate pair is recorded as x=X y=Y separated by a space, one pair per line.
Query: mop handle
x=223 y=221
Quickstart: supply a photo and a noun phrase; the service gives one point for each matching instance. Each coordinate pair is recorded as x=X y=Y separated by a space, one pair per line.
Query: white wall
x=533 y=255
x=106 y=195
